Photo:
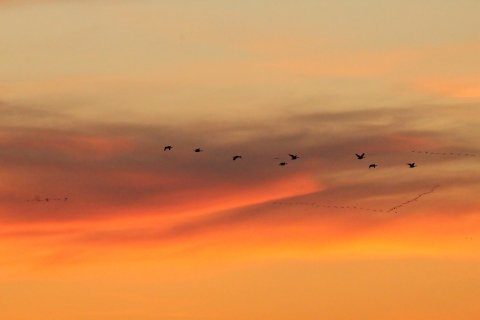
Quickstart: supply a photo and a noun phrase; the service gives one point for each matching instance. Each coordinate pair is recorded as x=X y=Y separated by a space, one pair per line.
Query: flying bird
x=283 y=163
x=237 y=157
x=372 y=166
x=294 y=156
x=412 y=165
x=198 y=150
x=167 y=148
x=360 y=156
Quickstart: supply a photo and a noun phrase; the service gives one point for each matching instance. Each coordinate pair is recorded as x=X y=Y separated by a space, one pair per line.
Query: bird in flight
x=294 y=156
x=167 y=148
x=198 y=150
x=283 y=163
x=372 y=166
x=237 y=157
x=412 y=165
x=360 y=156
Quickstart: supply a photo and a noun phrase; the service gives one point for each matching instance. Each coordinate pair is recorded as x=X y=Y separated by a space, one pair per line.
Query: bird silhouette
x=283 y=163
x=412 y=165
x=360 y=156
x=198 y=150
x=294 y=156
x=372 y=166
x=167 y=148
x=237 y=157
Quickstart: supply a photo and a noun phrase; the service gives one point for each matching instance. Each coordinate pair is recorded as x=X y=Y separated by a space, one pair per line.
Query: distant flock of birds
x=414 y=199
x=37 y=199
x=446 y=153
x=359 y=208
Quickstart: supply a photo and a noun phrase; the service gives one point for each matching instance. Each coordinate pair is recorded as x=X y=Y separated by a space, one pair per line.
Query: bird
x=198 y=150
x=360 y=156
x=372 y=166
x=294 y=156
x=237 y=157
x=283 y=163
x=167 y=148
x=412 y=165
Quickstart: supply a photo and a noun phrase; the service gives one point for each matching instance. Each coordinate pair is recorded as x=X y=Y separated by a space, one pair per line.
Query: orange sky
x=91 y=92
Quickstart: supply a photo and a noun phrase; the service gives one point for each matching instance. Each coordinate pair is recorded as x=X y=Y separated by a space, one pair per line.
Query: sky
x=92 y=91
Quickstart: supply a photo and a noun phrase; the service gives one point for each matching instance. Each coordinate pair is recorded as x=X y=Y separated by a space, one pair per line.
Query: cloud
x=124 y=189
x=127 y=161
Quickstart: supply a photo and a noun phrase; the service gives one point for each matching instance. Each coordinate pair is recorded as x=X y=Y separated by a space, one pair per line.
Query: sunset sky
x=92 y=91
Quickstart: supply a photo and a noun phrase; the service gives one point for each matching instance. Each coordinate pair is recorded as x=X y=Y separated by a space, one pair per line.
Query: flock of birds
x=359 y=208
x=414 y=199
x=37 y=199
x=446 y=153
